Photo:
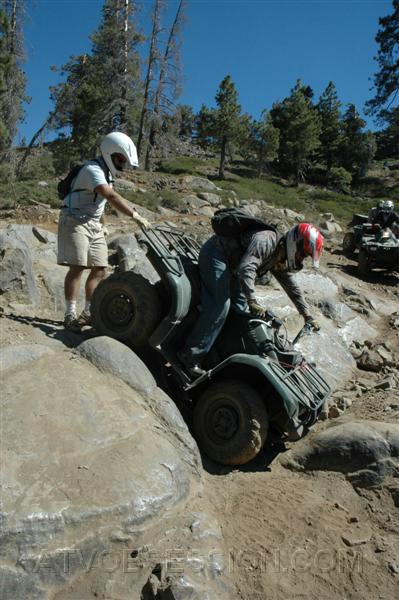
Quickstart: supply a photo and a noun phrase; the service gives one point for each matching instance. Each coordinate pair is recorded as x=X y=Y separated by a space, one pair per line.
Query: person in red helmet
x=229 y=268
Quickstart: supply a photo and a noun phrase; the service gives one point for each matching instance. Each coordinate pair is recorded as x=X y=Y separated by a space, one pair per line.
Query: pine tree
x=265 y=141
x=206 y=127
x=388 y=139
x=352 y=126
x=357 y=147
x=12 y=78
x=299 y=124
x=330 y=119
x=386 y=81
x=184 y=120
x=365 y=152
x=228 y=118
x=5 y=61
x=102 y=89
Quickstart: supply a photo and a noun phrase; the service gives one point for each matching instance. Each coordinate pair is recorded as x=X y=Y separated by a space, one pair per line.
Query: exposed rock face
x=29 y=270
x=367 y=452
x=101 y=484
x=17 y=278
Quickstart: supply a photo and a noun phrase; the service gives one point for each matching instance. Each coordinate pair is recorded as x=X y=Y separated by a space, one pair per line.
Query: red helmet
x=303 y=240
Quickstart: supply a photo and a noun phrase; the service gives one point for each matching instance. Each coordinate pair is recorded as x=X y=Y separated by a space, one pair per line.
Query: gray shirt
x=85 y=204
x=254 y=255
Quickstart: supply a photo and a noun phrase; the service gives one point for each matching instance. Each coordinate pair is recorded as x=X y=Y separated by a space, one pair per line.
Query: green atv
x=254 y=379
x=377 y=247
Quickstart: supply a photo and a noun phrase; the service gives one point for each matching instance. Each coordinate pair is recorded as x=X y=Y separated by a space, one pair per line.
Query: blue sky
x=265 y=45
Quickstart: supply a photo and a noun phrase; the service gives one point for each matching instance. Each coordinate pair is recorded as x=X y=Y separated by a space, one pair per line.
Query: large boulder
x=30 y=274
x=199 y=183
x=367 y=452
x=101 y=493
x=17 y=278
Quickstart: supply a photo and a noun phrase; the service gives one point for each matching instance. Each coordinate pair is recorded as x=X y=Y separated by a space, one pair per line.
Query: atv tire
x=363 y=264
x=349 y=244
x=127 y=307
x=230 y=422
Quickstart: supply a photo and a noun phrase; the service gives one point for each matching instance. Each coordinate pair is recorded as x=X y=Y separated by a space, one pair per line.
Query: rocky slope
x=104 y=494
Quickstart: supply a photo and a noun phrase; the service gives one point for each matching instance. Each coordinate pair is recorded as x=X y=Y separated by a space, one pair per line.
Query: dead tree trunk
x=151 y=64
x=170 y=45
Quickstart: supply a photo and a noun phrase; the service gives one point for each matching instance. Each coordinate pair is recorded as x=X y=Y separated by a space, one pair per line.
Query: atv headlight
x=373 y=248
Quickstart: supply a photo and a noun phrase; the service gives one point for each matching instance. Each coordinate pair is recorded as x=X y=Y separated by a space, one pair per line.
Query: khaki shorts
x=81 y=243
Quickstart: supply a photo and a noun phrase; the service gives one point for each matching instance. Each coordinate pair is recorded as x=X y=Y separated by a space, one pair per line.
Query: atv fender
x=261 y=368
x=298 y=393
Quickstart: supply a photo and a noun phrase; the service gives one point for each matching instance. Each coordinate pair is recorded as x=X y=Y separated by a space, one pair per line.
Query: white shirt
x=85 y=204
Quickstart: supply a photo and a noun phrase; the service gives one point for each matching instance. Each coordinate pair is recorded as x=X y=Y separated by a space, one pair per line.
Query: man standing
x=81 y=239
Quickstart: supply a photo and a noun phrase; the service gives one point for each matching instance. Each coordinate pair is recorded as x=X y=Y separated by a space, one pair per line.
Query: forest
x=301 y=138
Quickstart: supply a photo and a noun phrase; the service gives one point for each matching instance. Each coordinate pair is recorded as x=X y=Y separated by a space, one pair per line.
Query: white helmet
x=387 y=205
x=118 y=143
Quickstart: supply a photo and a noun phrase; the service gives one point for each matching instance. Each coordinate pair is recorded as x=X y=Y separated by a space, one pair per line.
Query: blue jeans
x=219 y=292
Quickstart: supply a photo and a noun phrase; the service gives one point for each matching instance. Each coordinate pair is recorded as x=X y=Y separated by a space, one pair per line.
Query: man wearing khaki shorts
x=81 y=239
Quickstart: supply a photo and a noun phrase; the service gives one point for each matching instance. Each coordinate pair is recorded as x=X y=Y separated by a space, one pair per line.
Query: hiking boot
x=84 y=319
x=71 y=323
x=189 y=364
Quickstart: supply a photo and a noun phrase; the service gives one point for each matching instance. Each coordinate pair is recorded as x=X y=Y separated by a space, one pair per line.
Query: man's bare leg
x=71 y=289
x=72 y=283
x=96 y=275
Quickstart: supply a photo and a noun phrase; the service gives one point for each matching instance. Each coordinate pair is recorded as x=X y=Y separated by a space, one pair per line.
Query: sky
x=265 y=45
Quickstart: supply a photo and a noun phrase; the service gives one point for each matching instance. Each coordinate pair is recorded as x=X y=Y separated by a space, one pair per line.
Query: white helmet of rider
x=387 y=205
x=117 y=149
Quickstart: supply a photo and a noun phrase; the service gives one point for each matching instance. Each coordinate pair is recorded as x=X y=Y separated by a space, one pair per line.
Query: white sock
x=87 y=307
x=70 y=307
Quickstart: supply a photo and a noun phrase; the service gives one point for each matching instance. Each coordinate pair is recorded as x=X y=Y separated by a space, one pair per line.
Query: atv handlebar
x=306 y=329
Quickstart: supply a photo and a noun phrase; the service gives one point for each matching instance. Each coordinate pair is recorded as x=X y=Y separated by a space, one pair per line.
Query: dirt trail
x=288 y=532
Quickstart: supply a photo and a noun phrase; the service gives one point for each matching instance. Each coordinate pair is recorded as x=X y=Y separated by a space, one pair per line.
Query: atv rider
x=384 y=214
x=229 y=268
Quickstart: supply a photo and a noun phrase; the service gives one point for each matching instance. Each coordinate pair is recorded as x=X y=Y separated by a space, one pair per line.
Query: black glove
x=312 y=322
x=256 y=309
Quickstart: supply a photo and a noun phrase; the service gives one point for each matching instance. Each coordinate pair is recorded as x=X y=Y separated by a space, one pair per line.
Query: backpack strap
x=106 y=173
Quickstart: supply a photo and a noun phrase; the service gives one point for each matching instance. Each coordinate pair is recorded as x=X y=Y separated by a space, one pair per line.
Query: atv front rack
x=307 y=386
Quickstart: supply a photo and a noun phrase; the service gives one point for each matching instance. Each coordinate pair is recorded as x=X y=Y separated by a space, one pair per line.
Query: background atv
x=360 y=226
x=377 y=247
x=253 y=377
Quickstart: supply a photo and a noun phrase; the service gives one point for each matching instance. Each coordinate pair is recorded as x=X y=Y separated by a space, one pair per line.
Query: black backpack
x=232 y=222
x=64 y=185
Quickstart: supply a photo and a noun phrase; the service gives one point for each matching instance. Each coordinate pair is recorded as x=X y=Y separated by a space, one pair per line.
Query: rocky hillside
x=104 y=492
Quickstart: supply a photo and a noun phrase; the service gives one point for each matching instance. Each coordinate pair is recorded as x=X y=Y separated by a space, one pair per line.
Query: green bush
x=171 y=199
x=24 y=192
x=339 y=179
x=38 y=166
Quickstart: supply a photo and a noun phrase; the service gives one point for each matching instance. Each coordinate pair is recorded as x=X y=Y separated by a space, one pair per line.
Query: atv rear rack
x=169 y=247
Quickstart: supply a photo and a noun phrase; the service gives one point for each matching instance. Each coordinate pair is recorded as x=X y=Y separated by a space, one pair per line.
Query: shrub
x=339 y=179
